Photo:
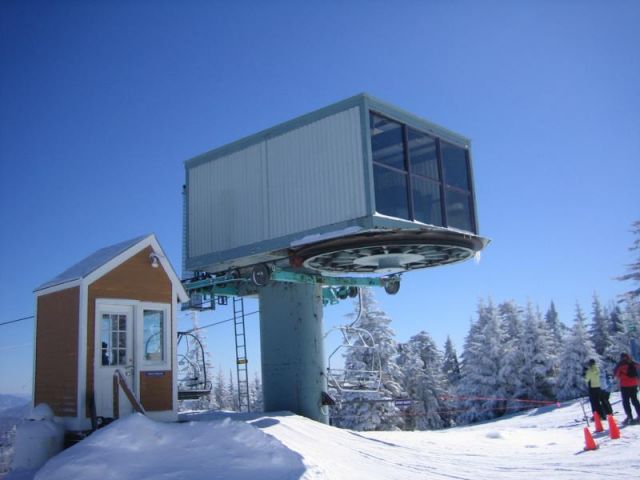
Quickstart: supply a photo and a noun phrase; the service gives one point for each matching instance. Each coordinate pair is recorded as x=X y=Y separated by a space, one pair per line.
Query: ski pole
x=586 y=419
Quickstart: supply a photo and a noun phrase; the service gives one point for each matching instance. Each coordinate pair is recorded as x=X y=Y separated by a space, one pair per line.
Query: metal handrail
x=119 y=381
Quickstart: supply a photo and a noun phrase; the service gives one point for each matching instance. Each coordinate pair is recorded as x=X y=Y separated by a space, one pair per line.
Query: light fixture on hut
x=155 y=259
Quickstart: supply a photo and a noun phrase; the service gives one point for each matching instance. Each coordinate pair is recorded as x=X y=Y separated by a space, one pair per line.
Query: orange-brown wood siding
x=134 y=279
x=153 y=391
x=56 y=381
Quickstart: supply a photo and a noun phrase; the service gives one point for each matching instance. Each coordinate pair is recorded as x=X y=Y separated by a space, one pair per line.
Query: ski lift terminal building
x=357 y=187
x=331 y=191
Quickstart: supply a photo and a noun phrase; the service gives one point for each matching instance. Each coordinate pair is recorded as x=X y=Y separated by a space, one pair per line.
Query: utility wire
x=11 y=347
x=16 y=320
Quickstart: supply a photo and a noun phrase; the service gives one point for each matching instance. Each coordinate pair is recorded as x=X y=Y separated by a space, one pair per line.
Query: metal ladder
x=241 y=354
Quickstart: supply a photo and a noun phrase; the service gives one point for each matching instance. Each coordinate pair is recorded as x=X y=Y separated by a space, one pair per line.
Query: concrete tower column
x=292 y=346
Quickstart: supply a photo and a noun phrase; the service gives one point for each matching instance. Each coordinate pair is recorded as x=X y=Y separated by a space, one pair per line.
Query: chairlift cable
x=16 y=320
x=218 y=323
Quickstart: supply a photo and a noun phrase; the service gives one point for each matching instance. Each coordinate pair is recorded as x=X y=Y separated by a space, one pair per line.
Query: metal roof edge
x=276 y=130
x=53 y=282
x=414 y=120
x=363 y=99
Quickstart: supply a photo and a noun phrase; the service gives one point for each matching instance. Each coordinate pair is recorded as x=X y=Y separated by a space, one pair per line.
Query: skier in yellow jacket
x=592 y=378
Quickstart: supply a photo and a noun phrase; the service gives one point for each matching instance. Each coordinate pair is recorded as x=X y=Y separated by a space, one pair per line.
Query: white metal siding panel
x=315 y=175
x=227 y=202
x=306 y=178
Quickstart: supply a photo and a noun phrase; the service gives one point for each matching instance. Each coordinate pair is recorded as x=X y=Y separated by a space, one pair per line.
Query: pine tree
x=220 y=391
x=536 y=374
x=232 y=394
x=423 y=380
x=616 y=323
x=255 y=394
x=511 y=318
x=367 y=410
x=450 y=364
x=599 y=331
x=576 y=352
x=513 y=356
x=482 y=395
x=555 y=326
x=633 y=274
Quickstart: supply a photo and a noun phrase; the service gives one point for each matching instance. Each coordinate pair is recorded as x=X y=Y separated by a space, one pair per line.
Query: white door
x=113 y=351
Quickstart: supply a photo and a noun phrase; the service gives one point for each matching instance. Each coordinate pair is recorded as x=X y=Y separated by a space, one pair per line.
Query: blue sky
x=101 y=102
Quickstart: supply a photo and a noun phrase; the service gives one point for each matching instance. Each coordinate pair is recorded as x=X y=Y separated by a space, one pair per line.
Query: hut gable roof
x=84 y=268
x=91 y=263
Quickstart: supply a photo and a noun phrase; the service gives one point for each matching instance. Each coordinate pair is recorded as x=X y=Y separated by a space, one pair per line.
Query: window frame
x=441 y=181
x=144 y=364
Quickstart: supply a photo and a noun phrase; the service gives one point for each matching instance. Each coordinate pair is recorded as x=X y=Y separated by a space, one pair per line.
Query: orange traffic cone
x=598 y=422
x=614 y=431
x=590 y=443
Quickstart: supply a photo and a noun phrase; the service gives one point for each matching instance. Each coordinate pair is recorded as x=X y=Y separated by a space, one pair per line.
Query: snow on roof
x=91 y=263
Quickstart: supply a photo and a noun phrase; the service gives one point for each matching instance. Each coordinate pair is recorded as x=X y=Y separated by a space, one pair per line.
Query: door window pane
x=459 y=210
x=386 y=142
x=454 y=165
x=154 y=332
x=105 y=340
x=391 y=192
x=423 y=155
x=113 y=339
x=426 y=201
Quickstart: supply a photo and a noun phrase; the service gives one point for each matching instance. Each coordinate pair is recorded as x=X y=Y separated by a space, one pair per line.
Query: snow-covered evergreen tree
x=220 y=391
x=511 y=317
x=555 y=326
x=513 y=356
x=576 y=352
x=366 y=410
x=232 y=393
x=618 y=335
x=255 y=394
x=599 y=330
x=425 y=383
x=616 y=323
x=480 y=391
x=450 y=363
x=536 y=374
x=633 y=274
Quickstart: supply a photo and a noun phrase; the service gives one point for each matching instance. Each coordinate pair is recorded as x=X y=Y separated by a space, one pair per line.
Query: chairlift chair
x=348 y=378
x=192 y=369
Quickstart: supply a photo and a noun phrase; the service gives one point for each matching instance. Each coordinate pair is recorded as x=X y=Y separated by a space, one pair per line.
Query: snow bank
x=542 y=443
x=138 y=448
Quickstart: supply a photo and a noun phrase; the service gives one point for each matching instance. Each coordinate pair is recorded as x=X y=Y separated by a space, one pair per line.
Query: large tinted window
x=423 y=154
x=420 y=177
x=389 y=168
x=391 y=192
x=459 y=210
x=426 y=201
x=386 y=142
x=454 y=164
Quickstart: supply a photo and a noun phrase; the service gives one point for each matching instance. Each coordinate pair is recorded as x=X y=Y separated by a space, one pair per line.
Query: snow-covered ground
x=13 y=409
x=542 y=443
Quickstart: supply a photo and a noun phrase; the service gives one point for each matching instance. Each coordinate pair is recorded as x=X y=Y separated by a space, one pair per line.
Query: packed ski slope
x=543 y=443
